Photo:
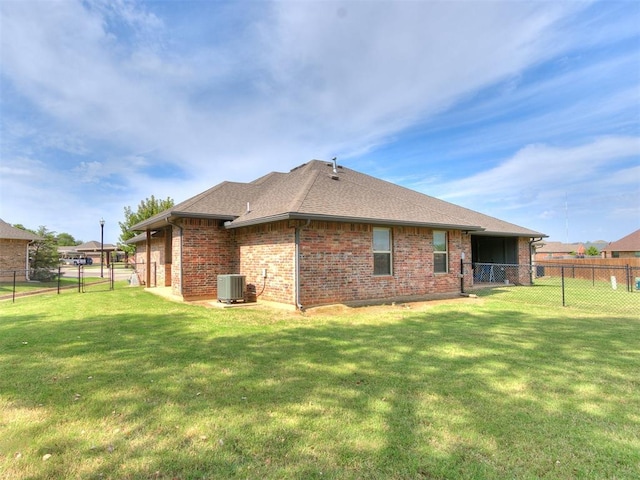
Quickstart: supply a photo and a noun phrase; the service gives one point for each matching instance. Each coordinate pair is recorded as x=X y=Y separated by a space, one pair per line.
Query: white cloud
x=369 y=69
x=545 y=186
x=317 y=81
x=118 y=87
x=541 y=168
x=14 y=171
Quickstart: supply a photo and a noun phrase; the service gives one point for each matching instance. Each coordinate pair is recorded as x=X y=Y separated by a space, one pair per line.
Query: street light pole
x=101 y=246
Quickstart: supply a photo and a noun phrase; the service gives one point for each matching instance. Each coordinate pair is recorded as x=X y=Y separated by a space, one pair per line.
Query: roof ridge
x=190 y=201
x=265 y=177
x=304 y=190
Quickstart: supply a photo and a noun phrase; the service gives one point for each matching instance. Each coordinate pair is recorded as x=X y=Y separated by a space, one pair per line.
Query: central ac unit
x=231 y=288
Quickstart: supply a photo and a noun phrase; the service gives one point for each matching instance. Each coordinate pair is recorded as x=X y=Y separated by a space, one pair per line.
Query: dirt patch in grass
x=340 y=309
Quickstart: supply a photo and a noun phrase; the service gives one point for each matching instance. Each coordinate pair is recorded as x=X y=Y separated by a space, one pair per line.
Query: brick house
x=14 y=252
x=626 y=247
x=160 y=271
x=323 y=233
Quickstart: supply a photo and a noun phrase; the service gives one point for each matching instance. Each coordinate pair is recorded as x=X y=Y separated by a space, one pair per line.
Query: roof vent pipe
x=335 y=164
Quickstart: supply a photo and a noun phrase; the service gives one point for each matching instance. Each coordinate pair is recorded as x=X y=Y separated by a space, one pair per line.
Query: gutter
x=346 y=219
x=297 y=264
x=157 y=222
x=26 y=275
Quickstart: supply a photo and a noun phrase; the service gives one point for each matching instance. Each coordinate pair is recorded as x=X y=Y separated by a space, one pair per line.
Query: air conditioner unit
x=231 y=288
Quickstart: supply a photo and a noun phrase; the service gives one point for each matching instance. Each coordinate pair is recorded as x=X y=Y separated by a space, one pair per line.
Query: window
x=382 y=251
x=440 y=252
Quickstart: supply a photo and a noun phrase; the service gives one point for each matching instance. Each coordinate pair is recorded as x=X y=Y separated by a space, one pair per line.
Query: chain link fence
x=610 y=288
x=81 y=279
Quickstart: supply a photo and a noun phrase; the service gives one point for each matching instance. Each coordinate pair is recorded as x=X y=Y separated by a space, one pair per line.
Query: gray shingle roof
x=313 y=191
x=13 y=233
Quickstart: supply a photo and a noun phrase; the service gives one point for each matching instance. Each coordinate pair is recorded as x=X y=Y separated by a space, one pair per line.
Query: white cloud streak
x=541 y=167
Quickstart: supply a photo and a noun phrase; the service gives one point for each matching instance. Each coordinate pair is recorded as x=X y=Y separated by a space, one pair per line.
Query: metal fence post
x=461 y=275
x=59 y=275
x=562 y=275
x=14 y=287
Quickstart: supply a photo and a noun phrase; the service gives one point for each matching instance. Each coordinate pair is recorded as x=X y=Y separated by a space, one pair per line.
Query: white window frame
x=444 y=252
x=388 y=252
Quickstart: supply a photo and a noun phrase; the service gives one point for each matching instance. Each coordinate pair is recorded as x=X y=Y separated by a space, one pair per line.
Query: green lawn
x=6 y=288
x=126 y=385
x=578 y=294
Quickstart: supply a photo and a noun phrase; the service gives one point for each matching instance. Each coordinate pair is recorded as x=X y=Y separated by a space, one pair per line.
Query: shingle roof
x=556 y=247
x=13 y=233
x=225 y=201
x=94 y=246
x=630 y=243
x=314 y=191
x=141 y=237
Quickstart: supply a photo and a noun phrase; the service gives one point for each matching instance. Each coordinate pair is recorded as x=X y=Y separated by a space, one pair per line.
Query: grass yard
x=6 y=288
x=126 y=385
x=578 y=294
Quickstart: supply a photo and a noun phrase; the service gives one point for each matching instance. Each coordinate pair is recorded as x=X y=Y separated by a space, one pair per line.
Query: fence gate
x=94 y=280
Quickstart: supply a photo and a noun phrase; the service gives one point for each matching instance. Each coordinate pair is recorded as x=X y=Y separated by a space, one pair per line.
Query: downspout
x=26 y=275
x=531 y=250
x=180 y=271
x=297 y=264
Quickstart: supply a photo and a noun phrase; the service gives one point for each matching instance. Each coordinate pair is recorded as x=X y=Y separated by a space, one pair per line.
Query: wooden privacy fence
x=593 y=269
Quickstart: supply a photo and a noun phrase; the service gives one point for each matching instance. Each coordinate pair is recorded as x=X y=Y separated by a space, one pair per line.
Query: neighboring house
x=90 y=250
x=93 y=250
x=14 y=252
x=549 y=250
x=545 y=250
x=322 y=234
x=626 y=247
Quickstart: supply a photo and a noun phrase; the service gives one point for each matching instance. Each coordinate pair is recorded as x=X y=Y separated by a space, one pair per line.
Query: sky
x=525 y=111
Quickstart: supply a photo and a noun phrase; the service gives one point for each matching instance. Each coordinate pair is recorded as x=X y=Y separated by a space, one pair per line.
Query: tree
x=22 y=227
x=66 y=240
x=592 y=251
x=43 y=255
x=146 y=209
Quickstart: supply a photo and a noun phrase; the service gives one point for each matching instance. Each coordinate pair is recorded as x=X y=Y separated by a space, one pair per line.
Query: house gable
x=628 y=246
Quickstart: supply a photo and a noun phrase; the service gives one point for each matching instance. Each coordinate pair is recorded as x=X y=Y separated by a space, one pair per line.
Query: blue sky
x=526 y=111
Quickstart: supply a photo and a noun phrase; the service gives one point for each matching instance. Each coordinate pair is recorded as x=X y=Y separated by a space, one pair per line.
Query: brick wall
x=208 y=250
x=160 y=275
x=176 y=267
x=13 y=256
x=270 y=247
x=524 y=258
x=632 y=255
x=337 y=263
